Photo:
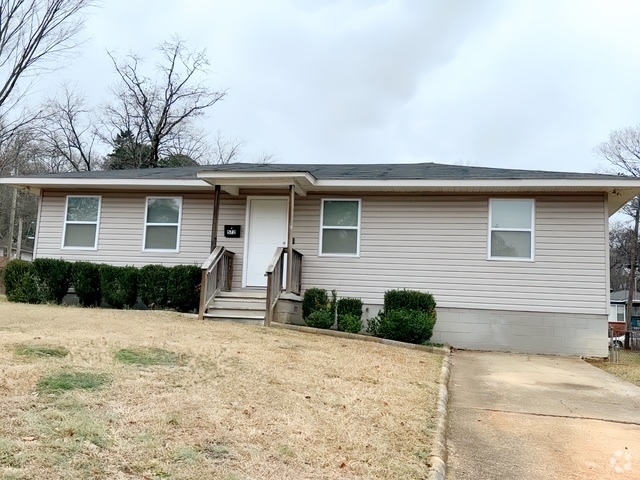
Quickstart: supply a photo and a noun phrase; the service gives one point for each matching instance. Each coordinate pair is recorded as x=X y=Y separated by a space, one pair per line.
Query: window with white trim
x=162 y=224
x=340 y=227
x=81 y=222
x=511 y=229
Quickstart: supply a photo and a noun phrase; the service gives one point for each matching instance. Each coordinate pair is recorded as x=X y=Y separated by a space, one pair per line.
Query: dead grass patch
x=630 y=373
x=241 y=402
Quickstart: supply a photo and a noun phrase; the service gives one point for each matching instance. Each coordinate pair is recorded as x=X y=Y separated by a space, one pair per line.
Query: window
x=620 y=313
x=340 y=227
x=82 y=217
x=162 y=224
x=511 y=231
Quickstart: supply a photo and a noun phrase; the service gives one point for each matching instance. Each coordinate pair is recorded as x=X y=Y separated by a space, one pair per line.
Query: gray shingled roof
x=404 y=171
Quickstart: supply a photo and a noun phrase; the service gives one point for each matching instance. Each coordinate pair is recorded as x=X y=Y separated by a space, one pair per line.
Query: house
x=618 y=310
x=517 y=260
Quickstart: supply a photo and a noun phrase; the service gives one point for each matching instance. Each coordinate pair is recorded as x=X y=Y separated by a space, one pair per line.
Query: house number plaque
x=232 y=231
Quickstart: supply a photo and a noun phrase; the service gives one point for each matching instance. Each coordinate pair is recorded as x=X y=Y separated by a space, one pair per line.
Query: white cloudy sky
x=522 y=84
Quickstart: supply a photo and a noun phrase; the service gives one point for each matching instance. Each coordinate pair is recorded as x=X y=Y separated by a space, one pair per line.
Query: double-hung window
x=511 y=229
x=162 y=224
x=81 y=222
x=340 y=227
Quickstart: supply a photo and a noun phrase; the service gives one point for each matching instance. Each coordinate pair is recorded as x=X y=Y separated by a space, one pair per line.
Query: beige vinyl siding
x=439 y=244
x=121 y=230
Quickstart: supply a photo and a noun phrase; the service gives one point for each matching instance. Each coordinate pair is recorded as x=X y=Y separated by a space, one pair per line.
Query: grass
x=627 y=369
x=41 y=351
x=71 y=381
x=146 y=356
x=239 y=402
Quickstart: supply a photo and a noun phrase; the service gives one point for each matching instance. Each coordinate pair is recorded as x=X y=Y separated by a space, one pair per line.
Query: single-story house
x=618 y=309
x=516 y=260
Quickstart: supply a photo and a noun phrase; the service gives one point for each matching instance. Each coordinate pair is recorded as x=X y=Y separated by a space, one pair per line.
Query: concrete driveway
x=538 y=417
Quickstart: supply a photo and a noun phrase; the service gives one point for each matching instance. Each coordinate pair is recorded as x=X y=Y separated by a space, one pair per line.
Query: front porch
x=271 y=269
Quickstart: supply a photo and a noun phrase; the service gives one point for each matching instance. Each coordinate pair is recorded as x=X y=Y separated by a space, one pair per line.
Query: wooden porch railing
x=275 y=277
x=217 y=274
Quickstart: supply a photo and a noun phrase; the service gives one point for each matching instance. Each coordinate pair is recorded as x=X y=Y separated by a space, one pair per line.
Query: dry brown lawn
x=242 y=402
x=630 y=373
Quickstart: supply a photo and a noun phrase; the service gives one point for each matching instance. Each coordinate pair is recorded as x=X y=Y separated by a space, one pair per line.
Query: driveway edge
x=438 y=457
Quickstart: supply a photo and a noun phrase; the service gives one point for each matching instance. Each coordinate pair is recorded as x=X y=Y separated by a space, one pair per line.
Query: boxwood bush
x=320 y=319
x=183 y=288
x=55 y=276
x=85 y=278
x=152 y=285
x=349 y=314
x=119 y=285
x=22 y=283
x=408 y=316
x=314 y=299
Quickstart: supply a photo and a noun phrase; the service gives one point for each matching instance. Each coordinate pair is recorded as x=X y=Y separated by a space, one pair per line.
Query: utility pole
x=632 y=273
x=12 y=221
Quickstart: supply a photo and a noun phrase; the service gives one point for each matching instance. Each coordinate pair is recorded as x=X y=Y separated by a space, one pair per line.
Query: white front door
x=266 y=230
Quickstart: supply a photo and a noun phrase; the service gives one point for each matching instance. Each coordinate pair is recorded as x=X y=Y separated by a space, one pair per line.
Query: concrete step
x=236 y=316
x=243 y=294
x=238 y=304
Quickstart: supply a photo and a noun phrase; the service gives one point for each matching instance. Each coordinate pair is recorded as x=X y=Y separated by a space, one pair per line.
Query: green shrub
x=55 y=277
x=408 y=316
x=320 y=319
x=409 y=300
x=348 y=322
x=314 y=299
x=85 y=278
x=119 y=285
x=412 y=326
x=22 y=283
x=152 y=285
x=183 y=289
x=350 y=305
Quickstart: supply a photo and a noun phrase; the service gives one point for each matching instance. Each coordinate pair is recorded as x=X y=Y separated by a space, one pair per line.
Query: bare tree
x=159 y=111
x=33 y=35
x=68 y=134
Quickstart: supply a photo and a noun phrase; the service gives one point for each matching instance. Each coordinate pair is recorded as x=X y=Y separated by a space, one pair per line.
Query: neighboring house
x=25 y=253
x=618 y=310
x=517 y=260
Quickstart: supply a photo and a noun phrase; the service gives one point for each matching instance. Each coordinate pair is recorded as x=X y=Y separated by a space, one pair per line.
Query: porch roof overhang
x=231 y=182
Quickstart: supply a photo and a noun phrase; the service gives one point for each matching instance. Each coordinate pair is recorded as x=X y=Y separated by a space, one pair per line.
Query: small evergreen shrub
x=22 y=283
x=85 y=278
x=408 y=316
x=319 y=319
x=183 y=289
x=55 y=277
x=408 y=300
x=348 y=322
x=152 y=285
x=412 y=326
x=352 y=306
x=314 y=299
x=119 y=285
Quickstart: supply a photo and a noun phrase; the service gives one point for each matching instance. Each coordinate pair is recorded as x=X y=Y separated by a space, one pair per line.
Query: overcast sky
x=526 y=84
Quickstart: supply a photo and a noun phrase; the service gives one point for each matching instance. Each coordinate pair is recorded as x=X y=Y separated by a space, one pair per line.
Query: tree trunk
x=632 y=273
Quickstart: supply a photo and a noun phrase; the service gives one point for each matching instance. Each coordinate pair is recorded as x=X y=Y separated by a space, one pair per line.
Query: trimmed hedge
x=348 y=322
x=320 y=319
x=152 y=285
x=183 y=289
x=314 y=299
x=85 y=278
x=408 y=316
x=22 y=283
x=55 y=277
x=119 y=285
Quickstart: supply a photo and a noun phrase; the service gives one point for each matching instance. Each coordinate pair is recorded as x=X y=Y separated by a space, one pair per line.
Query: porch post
x=292 y=195
x=214 y=223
